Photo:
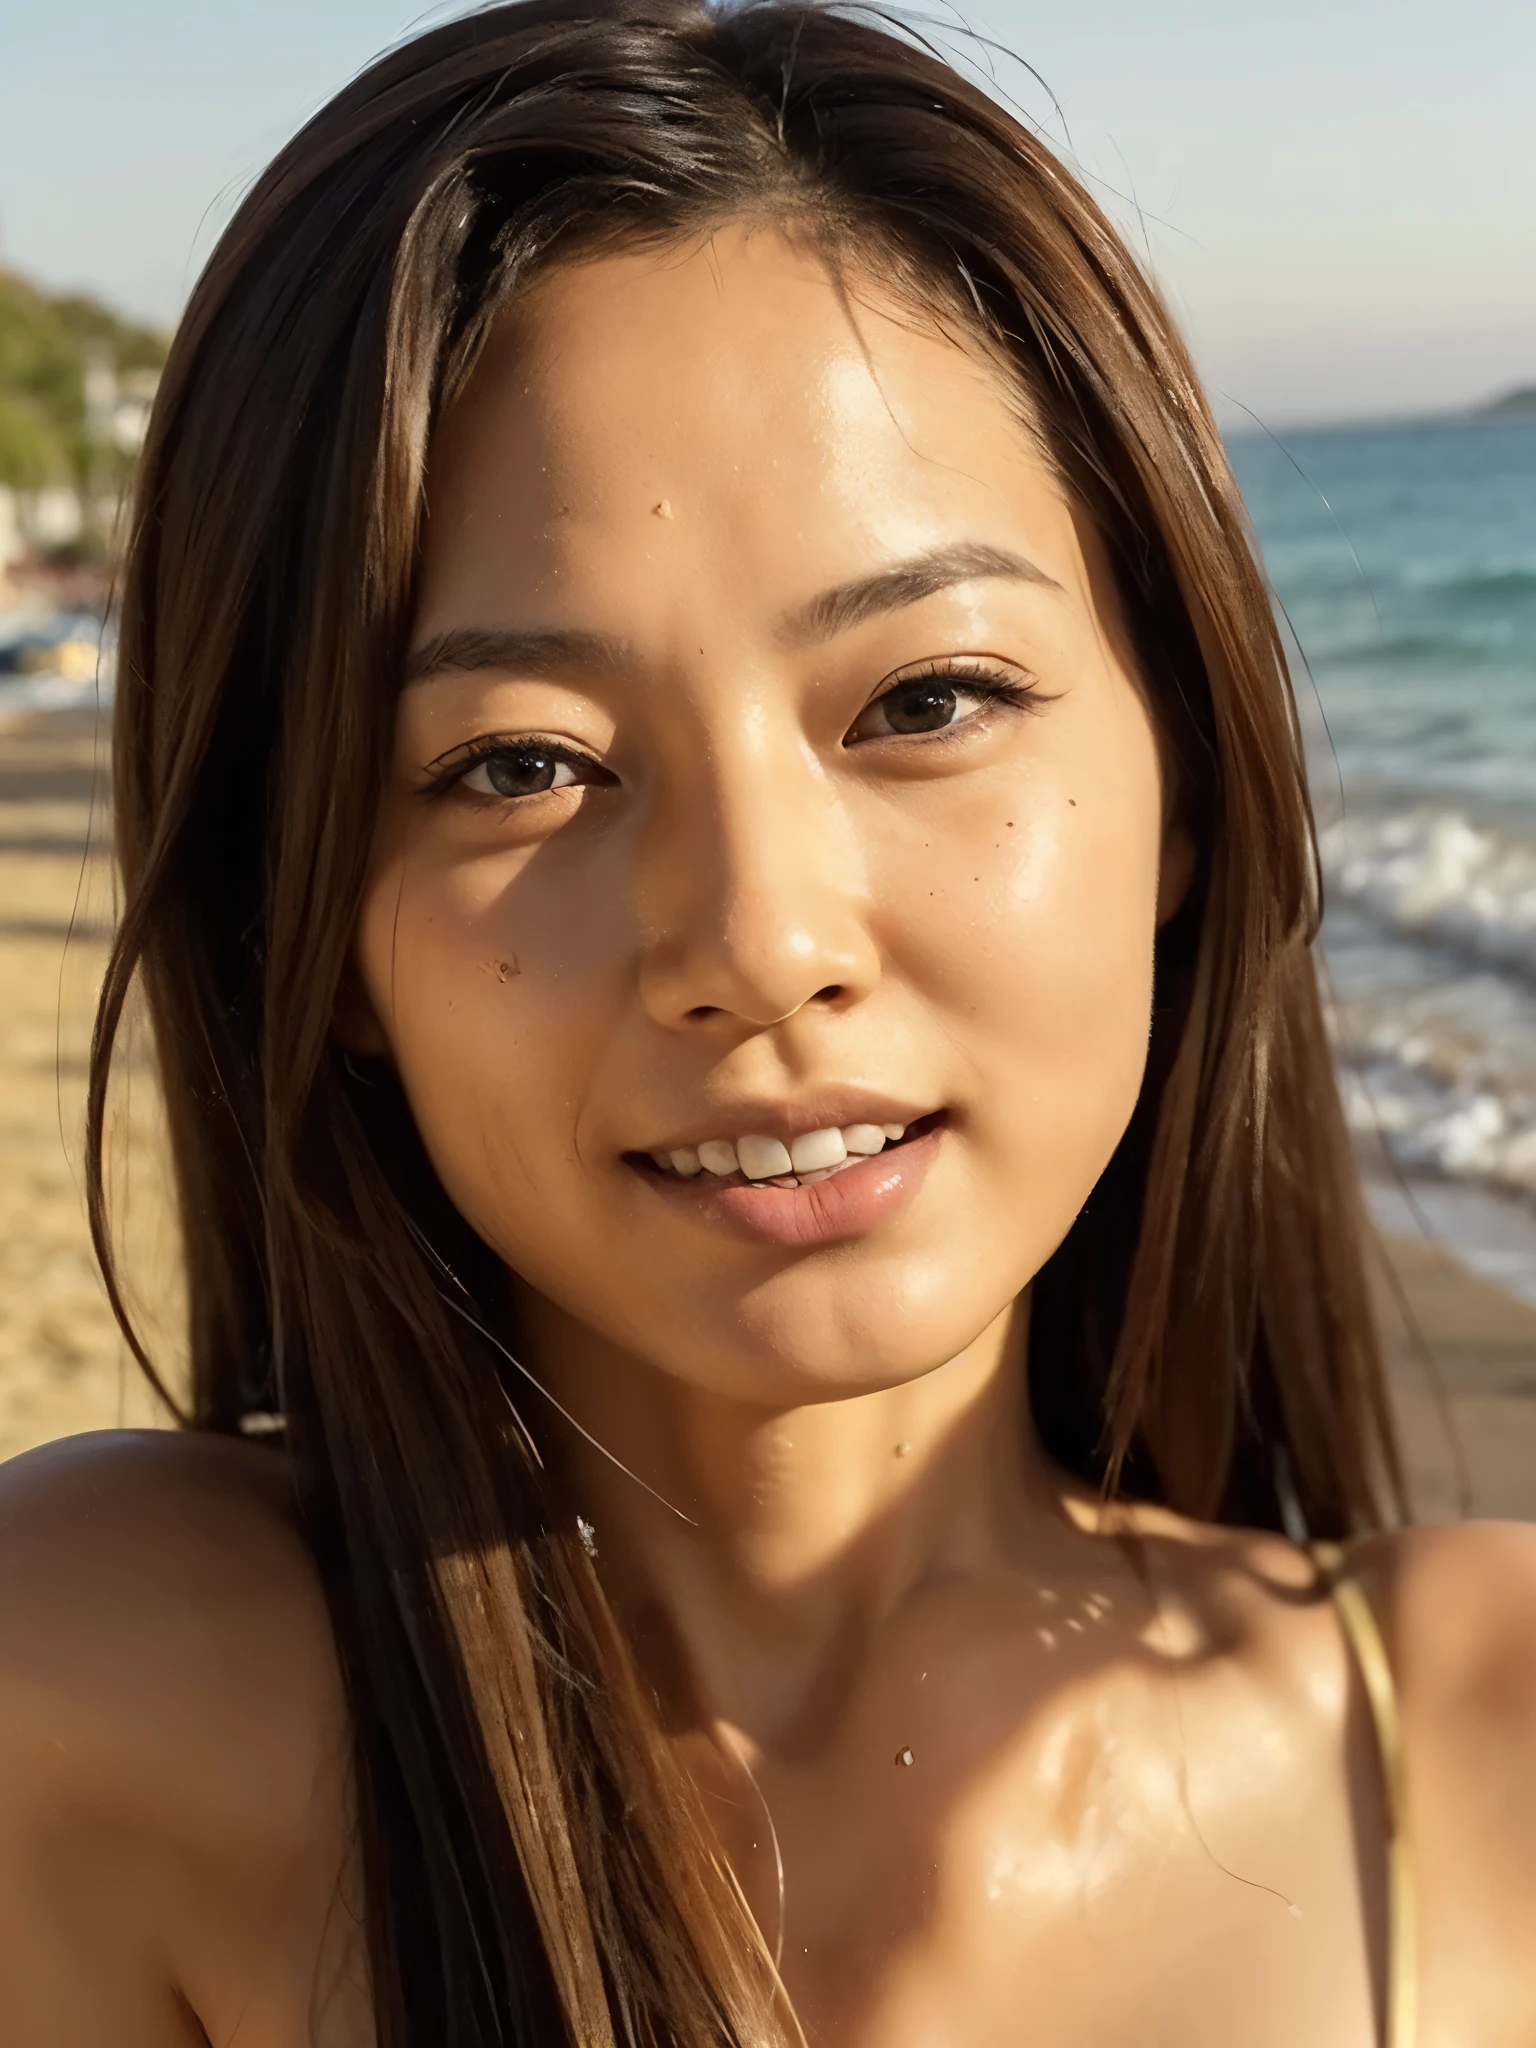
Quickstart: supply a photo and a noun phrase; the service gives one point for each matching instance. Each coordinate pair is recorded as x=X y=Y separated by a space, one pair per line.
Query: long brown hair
x=537 y=1866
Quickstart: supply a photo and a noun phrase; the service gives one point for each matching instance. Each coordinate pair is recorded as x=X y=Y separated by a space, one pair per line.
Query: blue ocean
x=1404 y=561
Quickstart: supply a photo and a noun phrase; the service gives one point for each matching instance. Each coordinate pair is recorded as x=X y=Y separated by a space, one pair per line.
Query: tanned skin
x=858 y=806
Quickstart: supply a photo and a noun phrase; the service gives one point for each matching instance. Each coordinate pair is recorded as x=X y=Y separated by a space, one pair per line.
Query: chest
x=1128 y=1864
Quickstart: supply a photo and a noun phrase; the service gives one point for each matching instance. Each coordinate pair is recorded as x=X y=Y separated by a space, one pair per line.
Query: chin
x=796 y=1346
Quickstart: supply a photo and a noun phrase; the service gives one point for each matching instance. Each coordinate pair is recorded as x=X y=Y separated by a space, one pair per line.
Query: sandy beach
x=63 y=1366
x=1463 y=1352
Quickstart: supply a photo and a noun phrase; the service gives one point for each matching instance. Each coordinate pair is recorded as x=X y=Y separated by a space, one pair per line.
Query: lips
x=822 y=1205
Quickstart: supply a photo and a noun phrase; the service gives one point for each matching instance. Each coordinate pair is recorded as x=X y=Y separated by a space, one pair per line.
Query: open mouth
x=759 y=1161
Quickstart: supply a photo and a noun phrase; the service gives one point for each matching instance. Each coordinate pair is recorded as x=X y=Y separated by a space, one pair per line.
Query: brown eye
x=924 y=706
x=519 y=771
x=933 y=703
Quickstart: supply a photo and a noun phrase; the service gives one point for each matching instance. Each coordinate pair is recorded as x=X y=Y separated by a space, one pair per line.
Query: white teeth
x=762 y=1158
x=816 y=1149
x=811 y=1156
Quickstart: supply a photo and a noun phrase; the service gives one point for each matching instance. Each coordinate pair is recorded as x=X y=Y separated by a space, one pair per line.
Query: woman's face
x=772 y=764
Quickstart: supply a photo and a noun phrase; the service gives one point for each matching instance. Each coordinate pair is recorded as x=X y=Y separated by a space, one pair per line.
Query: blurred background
x=1339 y=201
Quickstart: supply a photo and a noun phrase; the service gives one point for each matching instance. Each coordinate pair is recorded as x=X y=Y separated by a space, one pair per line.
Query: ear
x=1176 y=869
x=355 y=1022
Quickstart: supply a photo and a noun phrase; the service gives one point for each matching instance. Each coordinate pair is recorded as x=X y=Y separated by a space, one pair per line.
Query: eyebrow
x=543 y=651
x=847 y=605
x=554 y=650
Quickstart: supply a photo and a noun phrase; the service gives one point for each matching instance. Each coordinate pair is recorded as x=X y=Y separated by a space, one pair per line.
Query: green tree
x=45 y=343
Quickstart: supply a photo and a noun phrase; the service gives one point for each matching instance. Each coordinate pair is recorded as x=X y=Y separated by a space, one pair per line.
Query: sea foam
x=1435 y=876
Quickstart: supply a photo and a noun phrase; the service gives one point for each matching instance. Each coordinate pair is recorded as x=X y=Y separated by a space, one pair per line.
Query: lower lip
x=850 y=1204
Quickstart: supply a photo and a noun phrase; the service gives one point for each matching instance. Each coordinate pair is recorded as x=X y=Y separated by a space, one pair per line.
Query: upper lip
x=787 y=1121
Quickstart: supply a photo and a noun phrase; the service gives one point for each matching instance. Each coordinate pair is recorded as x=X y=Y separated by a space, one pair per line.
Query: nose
x=752 y=895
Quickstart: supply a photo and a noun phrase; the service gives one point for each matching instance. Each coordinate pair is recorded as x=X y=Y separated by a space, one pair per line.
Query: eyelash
x=469 y=757
x=993 y=685
x=989 y=684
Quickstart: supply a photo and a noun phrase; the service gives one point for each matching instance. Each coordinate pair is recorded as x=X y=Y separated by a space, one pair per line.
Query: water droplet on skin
x=902 y=1449
x=904 y=1758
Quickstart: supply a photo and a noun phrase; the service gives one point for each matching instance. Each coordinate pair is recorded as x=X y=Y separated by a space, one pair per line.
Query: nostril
x=832 y=993
x=701 y=1011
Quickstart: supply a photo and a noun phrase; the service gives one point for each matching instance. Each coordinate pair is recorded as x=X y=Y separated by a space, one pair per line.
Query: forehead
x=732 y=401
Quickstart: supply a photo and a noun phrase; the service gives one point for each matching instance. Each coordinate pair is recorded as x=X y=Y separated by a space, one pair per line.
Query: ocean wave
x=1493 y=579
x=1487 y=643
x=1435 y=876
x=1433 y=1124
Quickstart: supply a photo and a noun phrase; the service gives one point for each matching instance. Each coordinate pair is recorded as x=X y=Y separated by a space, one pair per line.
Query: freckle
x=1009 y=823
x=663 y=510
x=1072 y=800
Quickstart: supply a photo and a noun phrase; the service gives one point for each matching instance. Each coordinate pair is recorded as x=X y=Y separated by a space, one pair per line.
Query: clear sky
x=1338 y=195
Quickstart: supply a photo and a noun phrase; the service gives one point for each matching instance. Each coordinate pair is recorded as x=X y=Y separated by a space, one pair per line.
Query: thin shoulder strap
x=1361 y=1631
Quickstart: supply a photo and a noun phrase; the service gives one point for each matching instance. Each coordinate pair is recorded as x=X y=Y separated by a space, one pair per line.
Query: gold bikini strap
x=1360 y=1627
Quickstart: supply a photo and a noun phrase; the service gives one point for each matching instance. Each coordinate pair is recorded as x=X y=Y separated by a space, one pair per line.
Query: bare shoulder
x=161 y=1582
x=1457 y=1607
x=173 y=1735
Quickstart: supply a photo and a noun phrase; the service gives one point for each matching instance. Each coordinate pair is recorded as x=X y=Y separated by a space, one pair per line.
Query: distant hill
x=46 y=346
x=1516 y=404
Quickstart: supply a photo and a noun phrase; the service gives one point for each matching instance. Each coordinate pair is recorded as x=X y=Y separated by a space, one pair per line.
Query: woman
x=713 y=834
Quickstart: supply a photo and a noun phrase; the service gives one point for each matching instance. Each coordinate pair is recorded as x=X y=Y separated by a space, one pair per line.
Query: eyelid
x=1004 y=682
x=980 y=669
x=451 y=767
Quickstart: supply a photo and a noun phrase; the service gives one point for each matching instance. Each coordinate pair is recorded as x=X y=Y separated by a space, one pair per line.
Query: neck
x=806 y=1526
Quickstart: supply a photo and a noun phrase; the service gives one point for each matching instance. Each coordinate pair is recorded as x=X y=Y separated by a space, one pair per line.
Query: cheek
x=494 y=996
x=1033 y=936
